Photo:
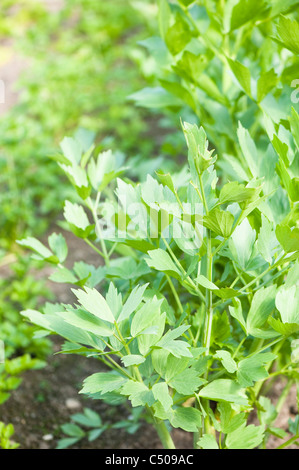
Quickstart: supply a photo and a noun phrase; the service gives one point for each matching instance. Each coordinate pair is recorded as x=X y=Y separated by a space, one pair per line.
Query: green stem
x=94 y=208
x=175 y=294
x=289 y=442
x=164 y=434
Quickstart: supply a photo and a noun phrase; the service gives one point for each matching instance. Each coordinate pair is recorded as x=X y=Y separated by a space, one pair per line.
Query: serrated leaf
x=132 y=360
x=288 y=33
x=203 y=281
x=58 y=245
x=245 y=437
x=287 y=303
x=220 y=222
x=224 y=390
x=288 y=238
x=188 y=419
x=161 y=393
x=186 y=382
x=160 y=260
x=262 y=304
x=242 y=74
x=207 y=441
x=94 y=303
x=132 y=302
x=265 y=83
x=227 y=361
x=102 y=382
x=267 y=240
x=252 y=369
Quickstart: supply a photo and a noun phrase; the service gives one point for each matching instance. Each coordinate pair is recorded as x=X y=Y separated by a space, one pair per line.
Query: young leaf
x=227 y=361
x=160 y=260
x=102 y=382
x=161 y=393
x=288 y=238
x=224 y=390
x=265 y=83
x=287 y=302
x=207 y=441
x=262 y=304
x=94 y=303
x=220 y=222
x=242 y=74
x=252 y=369
x=245 y=437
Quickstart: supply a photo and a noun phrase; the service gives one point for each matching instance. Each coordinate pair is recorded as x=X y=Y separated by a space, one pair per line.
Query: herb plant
x=193 y=305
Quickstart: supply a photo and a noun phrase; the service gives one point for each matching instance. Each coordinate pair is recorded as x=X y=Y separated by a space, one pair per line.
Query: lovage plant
x=193 y=306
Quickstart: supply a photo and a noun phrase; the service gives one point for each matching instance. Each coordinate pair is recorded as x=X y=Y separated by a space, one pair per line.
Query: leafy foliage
x=192 y=305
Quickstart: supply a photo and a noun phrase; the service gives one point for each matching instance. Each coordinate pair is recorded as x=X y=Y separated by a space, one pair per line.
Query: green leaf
x=229 y=420
x=63 y=275
x=224 y=390
x=245 y=437
x=288 y=34
x=203 y=281
x=138 y=393
x=102 y=382
x=132 y=360
x=164 y=17
x=262 y=304
x=58 y=245
x=155 y=97
x=41 y=250
x=287 y=303
x=146 y=315
x=132 y=302
x=249 y=150
x=161 y=393
x=242 y=74
x=186 y=382
x=207 y=441
x=288 y=238
x=72 y=150
x=241 y=243
x=191 y=66
x=176 y=347
x=265 y=83
x=198 y=154
x=220 y=222
x=285 y=329
x=236 y=192
x=67 y=442
x=247 y=10
x=160 y=260
x=75 y=215
x=178 y=35
x=236 y=312
x=94 y=303
x=181 y=92
x=252 y=369
x=188 y=419
x=89 y=419
x=267 y=241
x=86 y=321
x=72 y=430
x=227 y=361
